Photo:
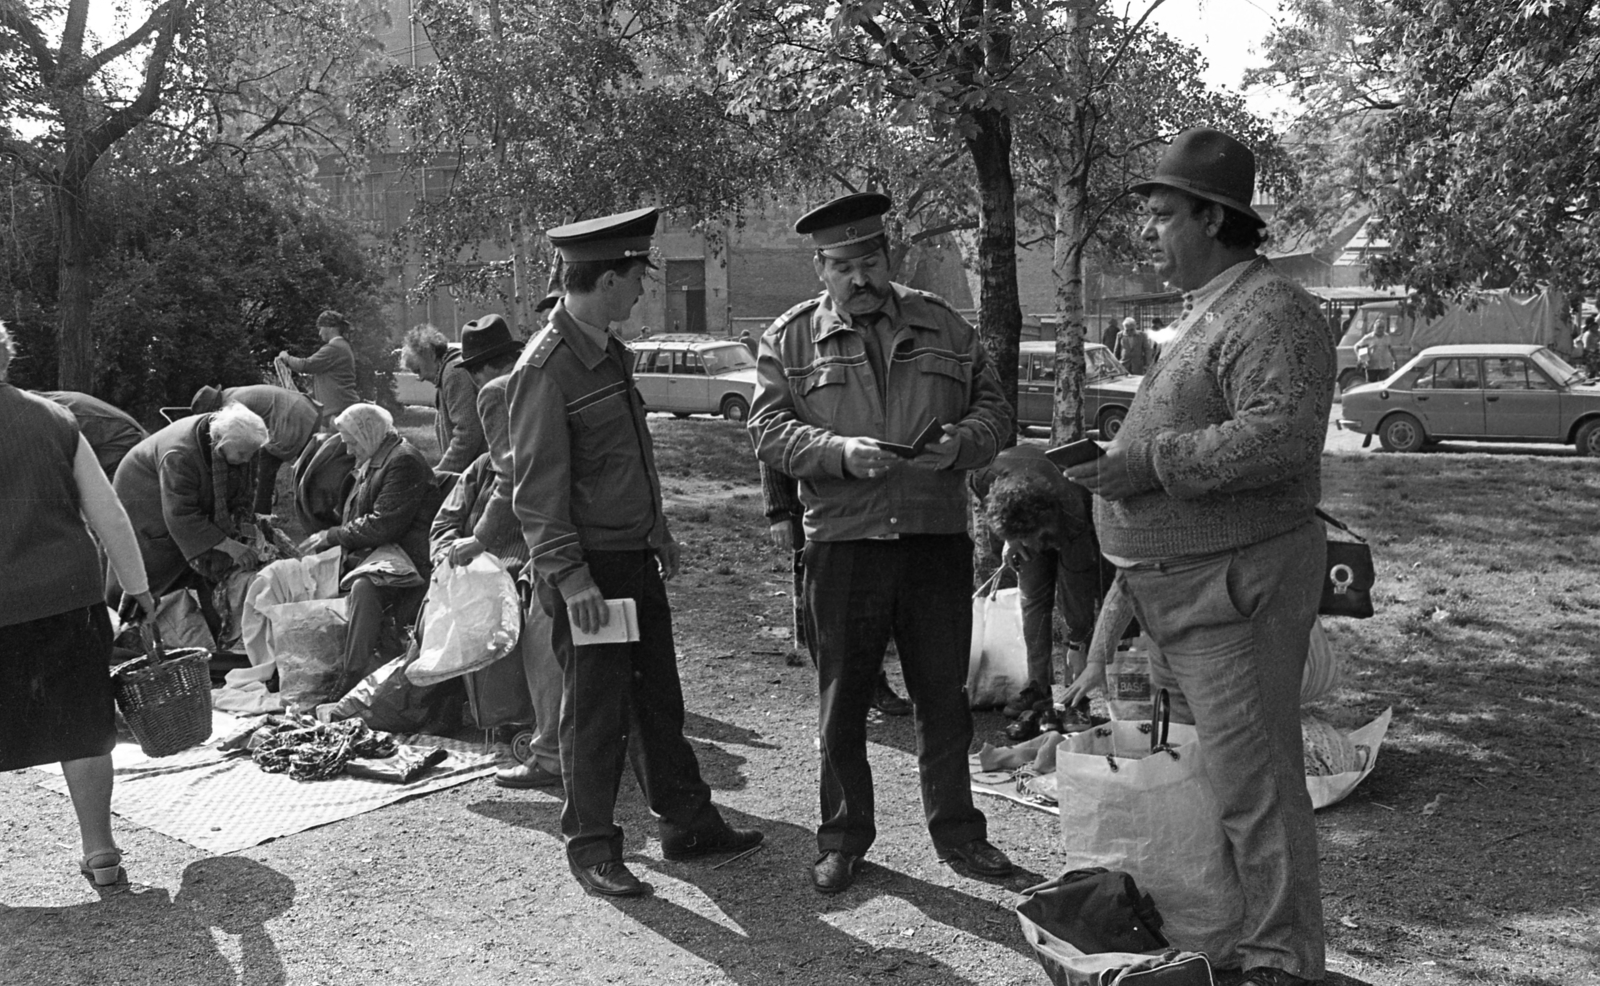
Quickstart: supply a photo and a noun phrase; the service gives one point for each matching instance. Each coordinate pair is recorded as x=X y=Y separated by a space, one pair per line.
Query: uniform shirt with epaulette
x=584 y=466
x=818 y=386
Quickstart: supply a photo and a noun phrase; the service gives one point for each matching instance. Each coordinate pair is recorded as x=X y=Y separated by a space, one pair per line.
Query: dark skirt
x=55 y=689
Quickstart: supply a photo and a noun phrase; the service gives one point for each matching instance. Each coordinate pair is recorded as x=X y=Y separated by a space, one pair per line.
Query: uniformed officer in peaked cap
x=589 y=501
x=849 y=381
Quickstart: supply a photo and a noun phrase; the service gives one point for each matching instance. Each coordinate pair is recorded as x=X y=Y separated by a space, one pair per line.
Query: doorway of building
x=686 y=296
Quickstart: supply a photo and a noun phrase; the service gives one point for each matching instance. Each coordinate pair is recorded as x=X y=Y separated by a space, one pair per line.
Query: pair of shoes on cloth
x=104 y=868
x=834 y=871
x=1025 y=701
x=610 y=879
x=1271 y=976
x=524 y=775
x=692 y=845
x=886 y=701
x=980 y=857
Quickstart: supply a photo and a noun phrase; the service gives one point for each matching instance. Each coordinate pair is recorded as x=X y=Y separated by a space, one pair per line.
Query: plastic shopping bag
x=288 y=580
x=998 y=666
x=308 y=644
x=1129 y=807
x=473 y=619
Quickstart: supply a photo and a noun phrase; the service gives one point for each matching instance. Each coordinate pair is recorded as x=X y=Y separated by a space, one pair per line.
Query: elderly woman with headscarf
x=187 y=488
x=55 y=636
x=392 y=501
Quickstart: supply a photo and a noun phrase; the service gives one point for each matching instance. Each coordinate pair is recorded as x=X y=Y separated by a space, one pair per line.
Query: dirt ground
x=1467 y=857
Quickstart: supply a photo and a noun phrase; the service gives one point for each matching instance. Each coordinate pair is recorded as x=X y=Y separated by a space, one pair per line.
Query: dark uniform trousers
x=611 y=692
x=916 y=589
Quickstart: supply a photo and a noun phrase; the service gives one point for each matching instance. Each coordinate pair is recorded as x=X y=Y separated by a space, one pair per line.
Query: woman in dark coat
x=392 y=501
x=55 y=635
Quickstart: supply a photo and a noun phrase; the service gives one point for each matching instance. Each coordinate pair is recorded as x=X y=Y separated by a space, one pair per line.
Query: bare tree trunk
x=74 y=290
x=1072 y=219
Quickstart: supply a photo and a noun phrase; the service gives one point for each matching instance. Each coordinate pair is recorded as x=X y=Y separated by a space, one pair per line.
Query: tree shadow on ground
x=781 y=932
x=157 y=938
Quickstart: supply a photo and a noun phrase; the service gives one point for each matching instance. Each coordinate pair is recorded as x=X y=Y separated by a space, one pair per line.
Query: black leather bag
x=1096 y=910
x=1347 y=579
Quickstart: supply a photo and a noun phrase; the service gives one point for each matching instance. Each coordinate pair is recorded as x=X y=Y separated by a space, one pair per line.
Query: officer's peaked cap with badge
x=617 y=237
x=849 y=226
x=484 y=339
x=1210 y=165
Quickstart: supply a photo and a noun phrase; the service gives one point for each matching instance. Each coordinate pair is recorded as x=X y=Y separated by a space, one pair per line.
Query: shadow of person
x=239 y=896
x=133 y=936
x=777 y=928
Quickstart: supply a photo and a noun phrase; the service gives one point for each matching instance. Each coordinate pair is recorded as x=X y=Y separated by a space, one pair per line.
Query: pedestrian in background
x=1206 y=501
x=332 y=368
x=1133 y=348
x=887 y=554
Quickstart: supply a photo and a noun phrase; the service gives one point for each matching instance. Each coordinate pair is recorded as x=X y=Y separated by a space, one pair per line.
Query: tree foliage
x=1468 y=130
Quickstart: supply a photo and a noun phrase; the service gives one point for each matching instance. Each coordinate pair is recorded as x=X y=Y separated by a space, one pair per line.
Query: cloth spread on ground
x=1025 y=773
x=222 y=803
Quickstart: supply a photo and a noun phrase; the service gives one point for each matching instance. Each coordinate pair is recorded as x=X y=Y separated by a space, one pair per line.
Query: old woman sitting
x=392 y=502
x=187 y=491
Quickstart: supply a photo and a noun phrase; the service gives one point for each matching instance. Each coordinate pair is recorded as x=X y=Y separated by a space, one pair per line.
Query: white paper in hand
x=622 y=627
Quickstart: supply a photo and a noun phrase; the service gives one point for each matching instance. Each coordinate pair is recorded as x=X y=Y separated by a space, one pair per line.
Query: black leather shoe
x=886 y=701
x=834 y=871
x=525 y=775
x=725 y=839
x=611 y=879
x=980 y=857
x=1027 y=726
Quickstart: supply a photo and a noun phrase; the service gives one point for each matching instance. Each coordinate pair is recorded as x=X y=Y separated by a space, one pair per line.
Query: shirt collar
x=904 y=307
x=1201 y=297
x=589 y=342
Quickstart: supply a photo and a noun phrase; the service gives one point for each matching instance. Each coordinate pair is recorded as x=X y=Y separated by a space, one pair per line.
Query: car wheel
x=735 y=408
x=1401 y=433
x=1588 y=438
x=1110 y=423
x=1351 y=378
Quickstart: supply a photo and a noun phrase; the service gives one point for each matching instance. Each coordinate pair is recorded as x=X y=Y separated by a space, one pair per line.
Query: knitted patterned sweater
x=1224 y=439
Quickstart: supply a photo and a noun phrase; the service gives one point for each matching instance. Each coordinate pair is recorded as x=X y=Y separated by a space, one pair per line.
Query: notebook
x=621 y=628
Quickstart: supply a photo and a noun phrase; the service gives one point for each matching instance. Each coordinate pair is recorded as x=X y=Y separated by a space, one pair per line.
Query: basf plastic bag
x=472 y=619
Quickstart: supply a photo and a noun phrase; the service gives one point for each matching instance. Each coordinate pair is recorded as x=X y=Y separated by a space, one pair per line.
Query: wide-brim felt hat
x=1210 y=165
x=848 y=226
x=484 y=339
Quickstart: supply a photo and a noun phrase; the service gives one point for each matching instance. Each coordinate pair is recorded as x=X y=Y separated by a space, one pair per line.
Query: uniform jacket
x=393 y=502
x=290 y=416
x=456 y=425
x=333 y=375
x=583 y=465
x=816 y=388
x=110 y=431
x=166 y=485
x=496 y=527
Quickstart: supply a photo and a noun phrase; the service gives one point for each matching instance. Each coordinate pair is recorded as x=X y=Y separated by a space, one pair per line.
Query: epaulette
x=803 y=308
x=542 y=346
x=936 y=299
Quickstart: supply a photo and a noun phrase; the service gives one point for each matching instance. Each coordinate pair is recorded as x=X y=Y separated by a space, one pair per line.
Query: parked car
x=1108 y=387
x=695 y=374
x=1493 y=393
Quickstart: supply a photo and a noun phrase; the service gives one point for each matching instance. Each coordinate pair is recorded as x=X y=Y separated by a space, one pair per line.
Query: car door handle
x=1491 y=398
x=1421 y=397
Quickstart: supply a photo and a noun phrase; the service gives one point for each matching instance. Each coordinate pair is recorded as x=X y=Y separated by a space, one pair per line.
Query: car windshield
x=726 y=359
x=1102 y=364
x=1560 y=369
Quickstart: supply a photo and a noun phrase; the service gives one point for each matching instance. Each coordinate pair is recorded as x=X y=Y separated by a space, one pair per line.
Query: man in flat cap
x=849 y=382
x=1206 y=501
x=589 y=501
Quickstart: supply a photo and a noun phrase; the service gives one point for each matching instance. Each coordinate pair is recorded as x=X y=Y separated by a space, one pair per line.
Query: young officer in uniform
x=589 y=501
x=887 y=553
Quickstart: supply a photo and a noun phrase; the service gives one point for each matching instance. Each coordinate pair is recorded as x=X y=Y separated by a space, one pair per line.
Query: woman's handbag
x=165 y=698
x=997 y=668
x=1347 y=581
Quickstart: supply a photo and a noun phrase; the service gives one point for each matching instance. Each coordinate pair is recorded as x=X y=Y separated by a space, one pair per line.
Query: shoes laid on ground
x=1030 y=723
x=694 y=844
x=526 y=775
x=980 y=857
x=104 y=868
x=1270 y=976
x=834 y=871
x=1023 y=701
x=886 y=701
x=610 y=879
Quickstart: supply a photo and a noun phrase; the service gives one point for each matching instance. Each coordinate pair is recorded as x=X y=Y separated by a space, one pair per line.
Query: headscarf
x=368 y=424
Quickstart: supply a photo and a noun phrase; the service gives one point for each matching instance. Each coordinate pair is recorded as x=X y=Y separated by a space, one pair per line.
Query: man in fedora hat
x=427 y=353
x=589 y=501
x=848 y=384
x=1206 y=501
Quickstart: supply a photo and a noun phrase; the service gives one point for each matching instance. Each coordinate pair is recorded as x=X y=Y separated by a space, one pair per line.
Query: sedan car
x=1108 y=387
x=694 y=374
x=1480 y=393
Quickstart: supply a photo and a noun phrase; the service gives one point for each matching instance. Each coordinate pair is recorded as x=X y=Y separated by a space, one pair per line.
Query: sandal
x=104 y=868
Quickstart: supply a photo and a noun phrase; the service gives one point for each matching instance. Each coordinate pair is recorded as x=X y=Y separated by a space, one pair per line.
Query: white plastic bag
x=1125 y=808
x=472 y=619
x=288 y=580
x=998 y=666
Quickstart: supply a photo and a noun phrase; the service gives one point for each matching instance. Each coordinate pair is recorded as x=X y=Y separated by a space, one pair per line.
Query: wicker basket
x=165 y=697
